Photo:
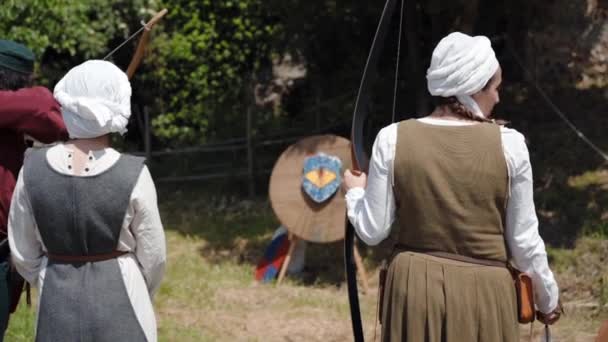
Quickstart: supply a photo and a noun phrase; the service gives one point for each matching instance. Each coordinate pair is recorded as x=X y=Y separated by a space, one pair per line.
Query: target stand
x=307 y=197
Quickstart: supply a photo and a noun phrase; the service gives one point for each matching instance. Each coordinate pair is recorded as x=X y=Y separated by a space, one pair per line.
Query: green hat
x=16 y=57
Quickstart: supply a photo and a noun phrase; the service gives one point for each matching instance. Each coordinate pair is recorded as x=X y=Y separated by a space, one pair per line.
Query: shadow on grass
x=238 y=231
x=224 y=221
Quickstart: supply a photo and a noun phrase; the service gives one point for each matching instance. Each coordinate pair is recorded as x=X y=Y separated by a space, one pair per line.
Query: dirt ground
x=235 y=308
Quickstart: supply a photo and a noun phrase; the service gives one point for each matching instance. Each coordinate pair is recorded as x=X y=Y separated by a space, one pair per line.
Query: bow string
x=142 y=45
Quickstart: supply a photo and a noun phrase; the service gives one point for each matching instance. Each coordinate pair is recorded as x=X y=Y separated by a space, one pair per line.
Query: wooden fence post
x=318 y=110
x=147 y=134
x=250 y=152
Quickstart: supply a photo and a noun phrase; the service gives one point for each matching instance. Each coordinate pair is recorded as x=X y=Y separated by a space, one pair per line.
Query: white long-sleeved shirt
x=142 y=234
x=372 y=210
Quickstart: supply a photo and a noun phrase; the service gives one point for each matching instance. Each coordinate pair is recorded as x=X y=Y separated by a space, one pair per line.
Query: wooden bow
x=360 y=160
x=143 y=43
x=141 y=46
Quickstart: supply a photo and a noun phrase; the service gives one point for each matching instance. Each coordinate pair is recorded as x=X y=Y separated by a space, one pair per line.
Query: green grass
x=21 y=324
x=208 y=293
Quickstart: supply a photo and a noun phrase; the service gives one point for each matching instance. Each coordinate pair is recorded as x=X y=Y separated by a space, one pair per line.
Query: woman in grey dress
x=84 y=225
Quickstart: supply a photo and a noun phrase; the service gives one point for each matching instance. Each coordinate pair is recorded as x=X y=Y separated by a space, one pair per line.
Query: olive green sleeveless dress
x=451 y=187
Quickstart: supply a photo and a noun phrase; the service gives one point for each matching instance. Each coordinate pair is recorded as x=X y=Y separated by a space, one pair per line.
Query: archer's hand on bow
x=354 y=179
x=551 y=317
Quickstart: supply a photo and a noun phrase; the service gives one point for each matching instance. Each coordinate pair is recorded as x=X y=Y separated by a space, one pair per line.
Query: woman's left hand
x=551 y=317
x=354 y=179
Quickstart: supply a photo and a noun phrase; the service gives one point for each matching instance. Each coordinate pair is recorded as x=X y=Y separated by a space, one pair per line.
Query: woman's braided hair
x=459 y=109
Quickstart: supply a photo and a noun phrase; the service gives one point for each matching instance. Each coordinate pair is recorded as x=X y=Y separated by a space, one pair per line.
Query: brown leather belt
x=452 y=256
x=84 y=258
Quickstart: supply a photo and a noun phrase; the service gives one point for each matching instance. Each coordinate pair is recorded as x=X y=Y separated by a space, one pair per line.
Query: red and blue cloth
x=274 y=256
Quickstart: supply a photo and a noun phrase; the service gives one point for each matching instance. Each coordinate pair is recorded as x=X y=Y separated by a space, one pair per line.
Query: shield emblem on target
x=291 y=176
x=321 y=176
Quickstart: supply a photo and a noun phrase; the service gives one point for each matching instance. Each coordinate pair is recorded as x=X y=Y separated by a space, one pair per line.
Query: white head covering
x=95 y=99
x=461 y=66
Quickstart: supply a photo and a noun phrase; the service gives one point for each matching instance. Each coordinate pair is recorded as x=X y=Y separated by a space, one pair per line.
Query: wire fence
x=247 y=158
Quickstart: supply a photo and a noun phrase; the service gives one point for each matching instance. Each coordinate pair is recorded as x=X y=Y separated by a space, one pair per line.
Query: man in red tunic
x=23 y=112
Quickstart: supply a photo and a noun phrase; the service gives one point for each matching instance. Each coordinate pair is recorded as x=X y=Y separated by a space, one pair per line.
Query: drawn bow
x=142 y=45
x=360 y=159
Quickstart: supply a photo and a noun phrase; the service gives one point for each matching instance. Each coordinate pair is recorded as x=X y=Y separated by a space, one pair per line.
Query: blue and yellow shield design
x=321 y=176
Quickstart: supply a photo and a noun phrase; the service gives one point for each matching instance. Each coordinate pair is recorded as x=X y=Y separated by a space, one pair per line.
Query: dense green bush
x=202 y=63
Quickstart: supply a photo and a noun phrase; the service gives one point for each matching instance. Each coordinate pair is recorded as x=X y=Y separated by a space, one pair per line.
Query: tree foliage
x=203 y=63
x=63 y=33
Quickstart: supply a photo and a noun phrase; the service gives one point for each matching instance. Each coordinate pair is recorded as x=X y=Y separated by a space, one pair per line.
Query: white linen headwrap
x=95 y=99
x=461 y=66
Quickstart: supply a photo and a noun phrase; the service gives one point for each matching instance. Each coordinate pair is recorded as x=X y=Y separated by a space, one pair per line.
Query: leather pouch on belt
x=526 y=313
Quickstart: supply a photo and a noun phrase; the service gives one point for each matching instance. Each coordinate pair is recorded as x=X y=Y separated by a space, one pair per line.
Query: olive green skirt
x=435 y=299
